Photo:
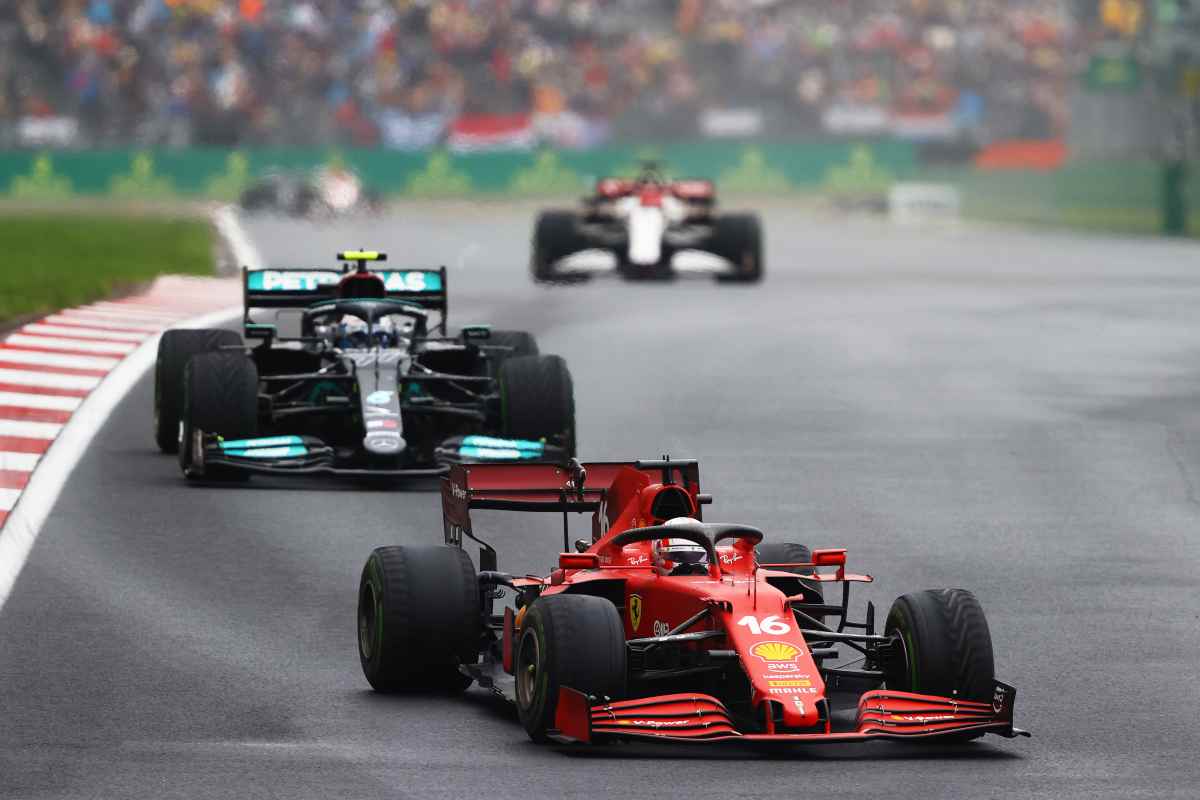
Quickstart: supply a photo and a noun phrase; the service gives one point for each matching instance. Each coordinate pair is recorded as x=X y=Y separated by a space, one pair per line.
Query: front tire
x=946 y=645
x=220 y=396
x=175 y=349
x=521 y=343
x=566 y=640
x=555 y=236
x=537 y=400
x=418 y=618
x=738 y=239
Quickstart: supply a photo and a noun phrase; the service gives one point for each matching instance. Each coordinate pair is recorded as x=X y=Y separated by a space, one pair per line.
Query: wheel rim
x=367 y=617
x=529 y=669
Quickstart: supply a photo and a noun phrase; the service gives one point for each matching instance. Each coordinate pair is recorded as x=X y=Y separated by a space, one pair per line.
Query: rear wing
x=543 y=487
x=298 y=288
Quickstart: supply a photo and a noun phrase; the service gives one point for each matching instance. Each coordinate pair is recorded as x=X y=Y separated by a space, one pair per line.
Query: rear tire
x=567 y=640
x=175 y=349
x=418 y=618
x=537 y=400
x=792 y=553
x=220 y=396
x=738 y=238
x=555 y=236
x=947 y=647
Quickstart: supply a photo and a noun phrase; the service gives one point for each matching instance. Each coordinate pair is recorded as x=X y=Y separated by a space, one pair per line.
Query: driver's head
x=362 y=285
x=681 y=552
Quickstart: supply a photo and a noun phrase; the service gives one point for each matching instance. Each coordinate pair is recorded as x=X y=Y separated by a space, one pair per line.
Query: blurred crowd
x=412 y=73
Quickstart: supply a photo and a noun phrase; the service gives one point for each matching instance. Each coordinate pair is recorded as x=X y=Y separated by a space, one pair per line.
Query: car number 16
x=772 y=625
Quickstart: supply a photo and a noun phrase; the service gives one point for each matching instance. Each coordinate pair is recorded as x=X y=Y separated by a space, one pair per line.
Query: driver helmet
x=681 y=551
x=352 y=332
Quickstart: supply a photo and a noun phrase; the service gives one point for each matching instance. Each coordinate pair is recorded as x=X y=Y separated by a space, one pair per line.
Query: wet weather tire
x=573 y=641
x=947 y=648
x=792 y=553
x=521 y=343
x=418 y=619
x=220 y=396
x=537 y=400
x=555 y=236
x=738 y=238
x=175 y=349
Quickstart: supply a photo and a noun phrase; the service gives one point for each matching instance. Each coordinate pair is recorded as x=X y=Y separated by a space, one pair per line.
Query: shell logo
x=775 y=651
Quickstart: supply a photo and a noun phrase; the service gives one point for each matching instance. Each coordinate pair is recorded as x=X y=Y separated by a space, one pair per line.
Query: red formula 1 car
x=666 y=627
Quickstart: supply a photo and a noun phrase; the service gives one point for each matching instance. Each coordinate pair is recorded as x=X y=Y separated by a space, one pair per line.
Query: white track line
x=229 y=225
x=29 y=430
x=8 y=499
x=72 y=345
x=46 y=483
x=56 y=359
x=85 y=333
x=48 y=380
x=49 y=402
x=18 y=462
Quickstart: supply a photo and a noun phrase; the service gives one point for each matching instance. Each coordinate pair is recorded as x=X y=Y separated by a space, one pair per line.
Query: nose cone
x=384 y=443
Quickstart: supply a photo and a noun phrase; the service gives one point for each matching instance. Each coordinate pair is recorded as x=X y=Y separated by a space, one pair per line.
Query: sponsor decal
x=374 y=423
x=773 y=681
x=799 y=704
x=635 y=611
x=638 y=560
x=791 y=691
x=268 y=452
x=269 y=441
x=730 y=558
x=661 y=628
x=656 y=723
x=776 y=652
x=454 y=535
x=273 y=280
x=998 y=697
x=458 y=492
x=492 y=448
x=414 y=281
x=923 y=718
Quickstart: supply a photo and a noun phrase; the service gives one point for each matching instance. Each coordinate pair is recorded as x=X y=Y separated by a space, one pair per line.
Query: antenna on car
x=668 y=477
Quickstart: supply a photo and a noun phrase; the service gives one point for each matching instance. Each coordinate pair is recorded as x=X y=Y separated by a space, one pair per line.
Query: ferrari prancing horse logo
x=635 y=611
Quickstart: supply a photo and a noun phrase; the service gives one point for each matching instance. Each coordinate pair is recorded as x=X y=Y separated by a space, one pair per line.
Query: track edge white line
x=24 y=523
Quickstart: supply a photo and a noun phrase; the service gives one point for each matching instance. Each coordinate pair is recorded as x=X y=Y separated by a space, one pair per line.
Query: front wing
x=882 y=714
x=308 y=455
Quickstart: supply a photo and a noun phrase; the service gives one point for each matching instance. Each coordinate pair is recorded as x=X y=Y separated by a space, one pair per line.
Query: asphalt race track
x=1017 y=413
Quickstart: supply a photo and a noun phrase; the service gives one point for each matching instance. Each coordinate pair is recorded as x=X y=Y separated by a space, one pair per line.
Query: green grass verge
x=53 y=261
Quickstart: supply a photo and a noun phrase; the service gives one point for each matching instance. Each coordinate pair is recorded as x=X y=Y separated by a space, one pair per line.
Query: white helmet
x=681 y=551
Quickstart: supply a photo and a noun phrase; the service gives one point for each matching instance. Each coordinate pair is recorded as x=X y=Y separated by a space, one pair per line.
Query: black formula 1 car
x=321 y=193
x=648 y=227
x=372 y=386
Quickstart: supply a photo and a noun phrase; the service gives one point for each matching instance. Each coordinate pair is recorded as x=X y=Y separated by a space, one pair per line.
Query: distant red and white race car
x=666 y=627
x=647 y=227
